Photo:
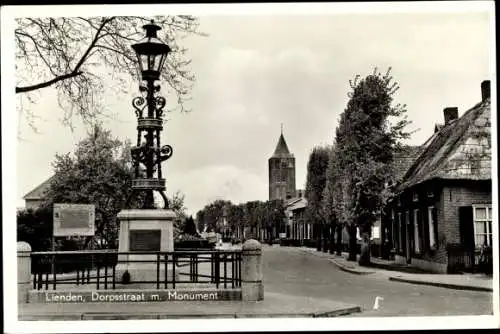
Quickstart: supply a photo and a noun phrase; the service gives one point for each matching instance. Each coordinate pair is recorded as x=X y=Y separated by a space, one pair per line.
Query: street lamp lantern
x=148 y=154
x=151 y=52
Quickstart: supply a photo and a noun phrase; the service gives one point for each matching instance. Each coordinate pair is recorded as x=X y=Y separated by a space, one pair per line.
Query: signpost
x=72 y=220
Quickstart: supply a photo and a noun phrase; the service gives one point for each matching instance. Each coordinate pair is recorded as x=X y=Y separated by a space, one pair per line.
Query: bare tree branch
x=69 y=54
x=47 y=83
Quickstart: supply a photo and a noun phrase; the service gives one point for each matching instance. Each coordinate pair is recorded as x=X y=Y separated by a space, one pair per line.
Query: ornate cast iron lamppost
x=151 y=53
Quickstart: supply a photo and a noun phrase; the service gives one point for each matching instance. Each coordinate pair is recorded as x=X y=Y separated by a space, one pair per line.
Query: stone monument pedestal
x=145 y=230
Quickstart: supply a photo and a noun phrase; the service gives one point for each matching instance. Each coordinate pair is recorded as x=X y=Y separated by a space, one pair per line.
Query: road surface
x=290 y=271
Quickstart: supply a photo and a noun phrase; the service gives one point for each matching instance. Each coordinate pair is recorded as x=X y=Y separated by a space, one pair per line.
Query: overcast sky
x=256 y=72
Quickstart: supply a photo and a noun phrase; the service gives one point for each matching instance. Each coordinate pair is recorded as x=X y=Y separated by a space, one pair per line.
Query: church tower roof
x=281 y=149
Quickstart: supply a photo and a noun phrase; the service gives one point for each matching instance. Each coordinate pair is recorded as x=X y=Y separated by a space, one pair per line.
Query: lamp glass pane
x=144 y=62
x=151 y=62
x=163 y=57
x=139 y=60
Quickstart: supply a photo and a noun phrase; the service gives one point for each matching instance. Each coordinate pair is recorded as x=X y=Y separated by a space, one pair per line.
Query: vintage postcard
x=302 y=164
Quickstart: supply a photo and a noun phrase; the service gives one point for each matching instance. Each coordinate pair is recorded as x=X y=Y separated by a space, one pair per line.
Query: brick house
x=442 y=213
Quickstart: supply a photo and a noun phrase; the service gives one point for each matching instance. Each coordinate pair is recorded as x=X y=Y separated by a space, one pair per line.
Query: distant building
x=297 y=227
x=281 y=172
x=34 y=198
x=442 y=213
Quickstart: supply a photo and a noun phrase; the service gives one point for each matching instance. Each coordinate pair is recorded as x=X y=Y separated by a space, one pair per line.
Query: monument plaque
x=145 y=240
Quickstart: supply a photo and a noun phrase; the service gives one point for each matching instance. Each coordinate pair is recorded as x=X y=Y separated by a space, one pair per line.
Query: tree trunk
x=353 y=245
x=332 y=239
x=339 y=239
x=325 y=238
x=364 y=258
x=318 y=237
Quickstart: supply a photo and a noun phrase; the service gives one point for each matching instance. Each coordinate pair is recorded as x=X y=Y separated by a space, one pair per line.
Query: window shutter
x=466 y=226
x=421 y=232
x=435 y=224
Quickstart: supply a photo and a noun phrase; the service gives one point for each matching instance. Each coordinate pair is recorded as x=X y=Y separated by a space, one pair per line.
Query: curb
x=350 y=270
x=338 y=265
x=441 y=285
x=355 y=309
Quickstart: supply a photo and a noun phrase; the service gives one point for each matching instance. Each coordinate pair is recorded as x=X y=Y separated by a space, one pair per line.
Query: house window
x=482 y=225
x=432 y=227
x=400 y=243
x=416 y=226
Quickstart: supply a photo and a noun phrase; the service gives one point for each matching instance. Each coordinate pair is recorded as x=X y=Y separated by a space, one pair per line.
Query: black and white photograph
x=271 y=166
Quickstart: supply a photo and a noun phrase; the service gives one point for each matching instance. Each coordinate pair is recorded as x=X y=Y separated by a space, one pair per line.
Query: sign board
x=74 y=220
x=145 y=240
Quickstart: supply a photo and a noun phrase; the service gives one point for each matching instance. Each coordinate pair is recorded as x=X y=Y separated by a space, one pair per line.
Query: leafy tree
x=176 y=204
x=315 y=185
x=253 y=214
x=369 y=133
x=75 y=55
x=275 y=215
x=35 y=228
x=235 y=218
x=211 y=216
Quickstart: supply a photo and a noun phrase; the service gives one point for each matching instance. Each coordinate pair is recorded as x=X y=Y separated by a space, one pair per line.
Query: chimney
x=485 y=89
x=450 y=114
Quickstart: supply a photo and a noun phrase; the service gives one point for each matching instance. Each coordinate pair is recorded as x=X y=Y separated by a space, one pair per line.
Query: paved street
x=289 y=271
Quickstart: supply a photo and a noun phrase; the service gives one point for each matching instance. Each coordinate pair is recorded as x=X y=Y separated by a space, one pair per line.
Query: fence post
x=252 y=288
x=23 y=271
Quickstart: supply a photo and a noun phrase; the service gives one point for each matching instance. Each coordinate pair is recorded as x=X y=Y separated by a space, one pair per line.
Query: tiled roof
x=38 y=192
x=281 y=149
x=461 y=149
x=404 y=159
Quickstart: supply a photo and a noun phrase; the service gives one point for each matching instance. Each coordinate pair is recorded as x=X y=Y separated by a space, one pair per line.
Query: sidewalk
x=273 y=305
x=474 y=282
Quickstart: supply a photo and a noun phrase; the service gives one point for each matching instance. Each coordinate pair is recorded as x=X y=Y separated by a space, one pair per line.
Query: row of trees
x=267 y=215
x=349 y=183
x=99 y=172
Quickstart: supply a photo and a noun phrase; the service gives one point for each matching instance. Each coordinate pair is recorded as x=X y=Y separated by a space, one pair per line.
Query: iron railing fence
x=221 y=268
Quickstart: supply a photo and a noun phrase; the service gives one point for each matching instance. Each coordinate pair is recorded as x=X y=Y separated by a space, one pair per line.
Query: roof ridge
x=443 y=145
x=30 y=194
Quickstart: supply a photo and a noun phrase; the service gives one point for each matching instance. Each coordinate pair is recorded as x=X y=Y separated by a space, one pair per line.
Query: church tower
x=281 y=172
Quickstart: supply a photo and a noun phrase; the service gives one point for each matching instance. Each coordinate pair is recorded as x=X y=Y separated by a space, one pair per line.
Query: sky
x=255 y=72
